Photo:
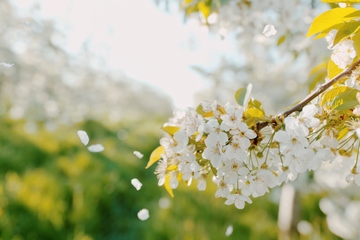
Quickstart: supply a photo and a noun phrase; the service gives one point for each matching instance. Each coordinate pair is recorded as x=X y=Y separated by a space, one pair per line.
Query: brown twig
x=310 y=97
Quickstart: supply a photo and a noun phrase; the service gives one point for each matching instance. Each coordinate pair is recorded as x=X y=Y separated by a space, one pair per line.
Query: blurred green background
x=52 y=187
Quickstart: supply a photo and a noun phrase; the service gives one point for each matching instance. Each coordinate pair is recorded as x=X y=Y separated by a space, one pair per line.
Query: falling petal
x=136 y=183
x=269 y=30
x=6 y=65
x=143 y=214
x=84 y=138
x=138 y=154
x=96 y=148
x=229 y=230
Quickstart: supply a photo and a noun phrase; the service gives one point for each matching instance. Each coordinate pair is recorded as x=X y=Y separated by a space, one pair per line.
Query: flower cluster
x=246 y=161
x=343 y=52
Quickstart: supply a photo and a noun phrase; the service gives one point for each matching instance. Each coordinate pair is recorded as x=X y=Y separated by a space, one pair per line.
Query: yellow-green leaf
x=281 y=40
x=345 y=100
x=155 y=156
x=171 y=129
x=317 y=75
x=329 y=19
x=167 y=185
x=200 y=109
x=346 y=30
x=340 y=98
x=333 y=69
x=329 y=96
x=356 y=39
x=254 y=113
x=341 y=1
x=355 y=14
x=326 y=31
x=242 y=95
x=204 y=9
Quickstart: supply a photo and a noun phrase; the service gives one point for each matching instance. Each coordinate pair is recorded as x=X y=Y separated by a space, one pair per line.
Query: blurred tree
x=49 y=84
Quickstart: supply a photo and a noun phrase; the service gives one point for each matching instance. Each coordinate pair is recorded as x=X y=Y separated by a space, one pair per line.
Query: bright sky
x=141 y=40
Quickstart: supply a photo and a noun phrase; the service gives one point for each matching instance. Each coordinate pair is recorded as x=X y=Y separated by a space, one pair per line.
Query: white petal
x=269 y=30
x=229 y=230
x=358 y=132
x=143 y=214
x=138 y=154
x=6 y=65
x=96 y=148
x=136 y=183
x=84 y=138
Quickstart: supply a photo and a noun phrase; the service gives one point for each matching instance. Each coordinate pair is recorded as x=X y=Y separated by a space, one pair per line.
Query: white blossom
x=232 y=171
x=238 y=200
x=330 y=38
x=269 y=30
x=229 y=230
x=180 y=141
x=84 y=138
x=224 y=189
x=216 y=135
x=136 y=183
x=96 y=148
x=215 y=154
x=138 y=154
x=343 y=53
x=143 y=214
x=232 y=117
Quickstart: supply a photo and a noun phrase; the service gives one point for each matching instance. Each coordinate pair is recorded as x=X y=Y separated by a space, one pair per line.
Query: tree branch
x=319 y=90
x=310 y=97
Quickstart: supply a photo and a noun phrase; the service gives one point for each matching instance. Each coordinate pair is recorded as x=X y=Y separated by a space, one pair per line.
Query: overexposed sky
x=140 y=39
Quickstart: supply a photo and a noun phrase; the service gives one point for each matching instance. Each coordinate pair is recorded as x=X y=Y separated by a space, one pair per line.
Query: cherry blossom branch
x=310 y=97
x=319 y=90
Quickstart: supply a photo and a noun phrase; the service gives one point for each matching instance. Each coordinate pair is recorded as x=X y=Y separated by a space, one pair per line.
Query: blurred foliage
x=205 y=7
x=52 y=187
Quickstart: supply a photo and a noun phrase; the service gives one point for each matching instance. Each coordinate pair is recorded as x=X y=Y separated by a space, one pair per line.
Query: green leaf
x=345 y=100
x=242 y=95
x=329 y=19
x=330 y=95
x=345 y=31
x=340 y=98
